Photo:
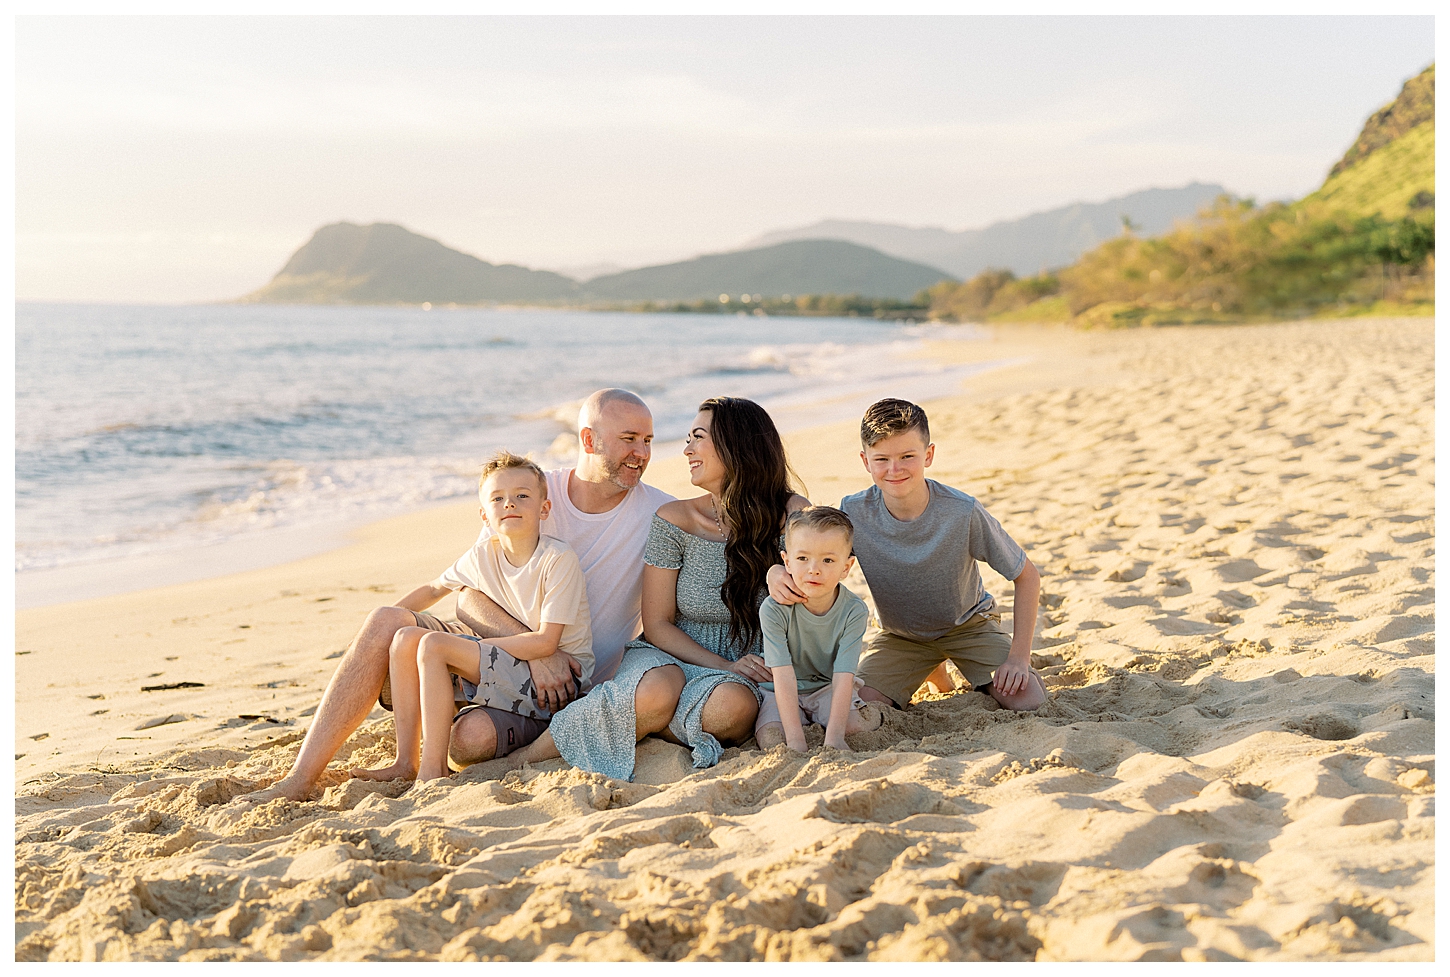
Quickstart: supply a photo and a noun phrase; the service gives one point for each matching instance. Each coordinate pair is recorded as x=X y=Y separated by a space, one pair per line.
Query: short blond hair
x=505 y=460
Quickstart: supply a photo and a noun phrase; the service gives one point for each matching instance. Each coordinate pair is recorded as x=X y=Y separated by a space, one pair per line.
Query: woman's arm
x=658 y=608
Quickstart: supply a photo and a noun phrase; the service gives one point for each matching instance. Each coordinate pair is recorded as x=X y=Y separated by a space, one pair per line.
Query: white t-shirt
x=610 y=546
x=548 y=589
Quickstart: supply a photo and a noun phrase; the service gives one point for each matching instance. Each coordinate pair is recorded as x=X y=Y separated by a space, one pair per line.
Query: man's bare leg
x=407 y=710
x=473 y=739
x=348 y=699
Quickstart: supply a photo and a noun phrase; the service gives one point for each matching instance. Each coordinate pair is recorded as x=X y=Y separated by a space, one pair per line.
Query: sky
x=183 y=159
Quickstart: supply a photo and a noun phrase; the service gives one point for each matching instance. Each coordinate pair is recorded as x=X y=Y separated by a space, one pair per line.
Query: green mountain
x=386 y=264
x=1362 y=242
x=795 y=268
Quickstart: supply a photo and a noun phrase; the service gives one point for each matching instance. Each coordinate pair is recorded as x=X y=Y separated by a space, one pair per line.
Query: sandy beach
x=1235 y=528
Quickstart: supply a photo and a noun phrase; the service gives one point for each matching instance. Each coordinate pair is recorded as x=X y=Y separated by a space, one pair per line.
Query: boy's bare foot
x=285 y=788
x=437 y=773
x=872 y=715
x=397 y=770
x=769 y=736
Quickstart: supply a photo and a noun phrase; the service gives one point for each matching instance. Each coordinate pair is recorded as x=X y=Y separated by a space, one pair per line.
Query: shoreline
x=182 y=562
x=1235 y=531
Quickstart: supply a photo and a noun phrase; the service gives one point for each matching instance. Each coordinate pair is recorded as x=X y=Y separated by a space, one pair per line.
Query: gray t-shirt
x=923 y=573
x=818 y=646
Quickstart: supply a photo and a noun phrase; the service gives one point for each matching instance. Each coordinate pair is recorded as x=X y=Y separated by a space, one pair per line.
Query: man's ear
x=586 y=439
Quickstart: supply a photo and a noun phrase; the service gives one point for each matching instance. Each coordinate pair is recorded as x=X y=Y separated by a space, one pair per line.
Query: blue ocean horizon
x=148 y=429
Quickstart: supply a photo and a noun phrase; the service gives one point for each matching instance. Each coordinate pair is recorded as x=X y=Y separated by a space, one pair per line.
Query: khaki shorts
x=815 y=707
x=897 y=665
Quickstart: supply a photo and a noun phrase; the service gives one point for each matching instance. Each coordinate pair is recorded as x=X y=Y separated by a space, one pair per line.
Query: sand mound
x=1236 y=540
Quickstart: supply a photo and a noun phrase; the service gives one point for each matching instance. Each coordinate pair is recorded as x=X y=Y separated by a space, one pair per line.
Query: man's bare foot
x=286 y=789
x=397 y=770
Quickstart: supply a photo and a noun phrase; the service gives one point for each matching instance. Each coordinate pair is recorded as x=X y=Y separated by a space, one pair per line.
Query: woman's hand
x=752 y=667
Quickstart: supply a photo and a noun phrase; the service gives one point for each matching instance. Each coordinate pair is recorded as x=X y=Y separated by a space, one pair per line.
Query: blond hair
x=505 y=460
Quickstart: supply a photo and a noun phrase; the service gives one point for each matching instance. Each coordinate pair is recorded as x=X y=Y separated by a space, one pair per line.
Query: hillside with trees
x=1363 y=242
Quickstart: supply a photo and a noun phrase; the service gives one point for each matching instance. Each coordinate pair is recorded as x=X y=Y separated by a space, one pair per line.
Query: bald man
x=602 y=510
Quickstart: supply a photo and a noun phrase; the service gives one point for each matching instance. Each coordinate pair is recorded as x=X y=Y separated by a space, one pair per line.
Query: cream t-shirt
x=548 y=589
x=610 y=546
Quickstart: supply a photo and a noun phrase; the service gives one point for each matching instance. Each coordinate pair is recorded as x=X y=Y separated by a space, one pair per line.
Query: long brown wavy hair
x=758 y=481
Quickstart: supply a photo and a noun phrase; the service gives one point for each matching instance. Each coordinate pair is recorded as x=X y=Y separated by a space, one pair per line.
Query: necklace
x=716 y=513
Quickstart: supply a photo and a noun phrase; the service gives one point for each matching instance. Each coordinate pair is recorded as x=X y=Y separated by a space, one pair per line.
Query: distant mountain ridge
x=388 y=264
x=795 y=268
x=1025 y=246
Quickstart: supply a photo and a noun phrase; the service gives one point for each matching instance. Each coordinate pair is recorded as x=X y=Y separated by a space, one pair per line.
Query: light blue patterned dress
x=597 y=732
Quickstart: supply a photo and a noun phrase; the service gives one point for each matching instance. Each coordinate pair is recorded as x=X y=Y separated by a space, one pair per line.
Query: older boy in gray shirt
x=919 y=542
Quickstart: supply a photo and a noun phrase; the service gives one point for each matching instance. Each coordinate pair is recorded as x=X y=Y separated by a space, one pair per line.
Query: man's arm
x=1012 y=677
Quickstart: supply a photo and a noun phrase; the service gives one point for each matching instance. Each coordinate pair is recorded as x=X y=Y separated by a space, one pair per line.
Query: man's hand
x=752 y=667
x=555 y=680
x=782 y=587
x=1012 y=676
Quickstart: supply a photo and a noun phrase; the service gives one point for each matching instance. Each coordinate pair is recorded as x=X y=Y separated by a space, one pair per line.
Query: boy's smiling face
x=817 y=559
x=513 y=503
x=898 y=464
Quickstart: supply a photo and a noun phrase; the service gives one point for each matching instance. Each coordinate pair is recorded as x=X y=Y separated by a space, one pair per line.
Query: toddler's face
x=817 y=559
x=513 y=502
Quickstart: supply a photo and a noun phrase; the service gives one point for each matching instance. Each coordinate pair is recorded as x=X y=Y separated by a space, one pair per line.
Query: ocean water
x=144 y=430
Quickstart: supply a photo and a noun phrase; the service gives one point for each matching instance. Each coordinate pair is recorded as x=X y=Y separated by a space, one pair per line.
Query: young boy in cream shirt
x=535 y=578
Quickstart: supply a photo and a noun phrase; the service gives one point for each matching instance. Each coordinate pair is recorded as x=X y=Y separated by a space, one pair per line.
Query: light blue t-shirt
x=818 y=646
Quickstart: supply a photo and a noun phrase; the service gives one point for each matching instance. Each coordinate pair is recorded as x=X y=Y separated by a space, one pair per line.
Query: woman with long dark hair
x=691 y=676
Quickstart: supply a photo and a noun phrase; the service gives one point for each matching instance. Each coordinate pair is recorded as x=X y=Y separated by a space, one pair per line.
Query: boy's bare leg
x=868 y=694
x=942 y=679
x=349 y=697
x=438 y=655
x=407 y=710
x=769 y=736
